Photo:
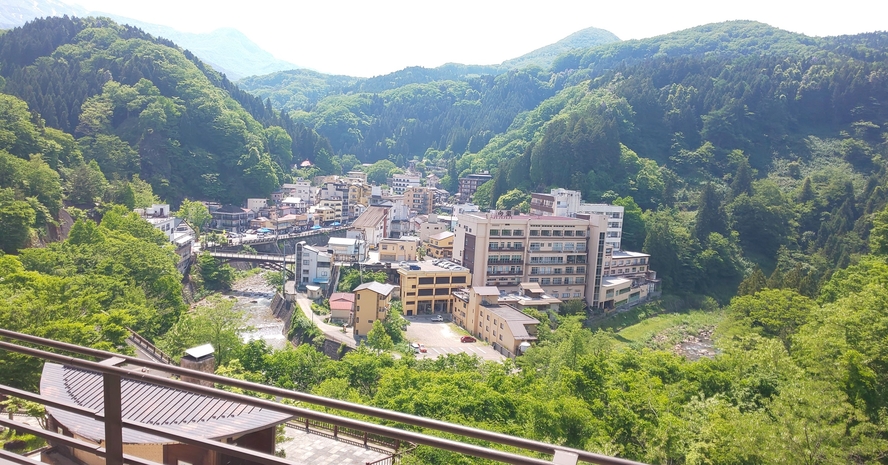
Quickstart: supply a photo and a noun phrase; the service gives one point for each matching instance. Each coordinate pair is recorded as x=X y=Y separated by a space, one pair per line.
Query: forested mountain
x=227 y=50
x=140 y=105
x=544 y=56
x=784 y=132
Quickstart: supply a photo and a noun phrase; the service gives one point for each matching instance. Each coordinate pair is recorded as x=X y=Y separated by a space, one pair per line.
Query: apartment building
x=479 y=311
x=628 y=279
x=441 y=245
x=563 y=255
x=558 y=202
x=564 y=202
x=420 y=199
x=428 y=287
x=469 y=184
x=428 y=225
x=402 y=182
x=398 y=249
x=372 y=302
x=313 y=266
x=614 y=214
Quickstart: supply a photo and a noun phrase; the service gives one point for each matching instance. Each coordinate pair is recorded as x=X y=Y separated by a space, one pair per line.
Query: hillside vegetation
x=140 y=105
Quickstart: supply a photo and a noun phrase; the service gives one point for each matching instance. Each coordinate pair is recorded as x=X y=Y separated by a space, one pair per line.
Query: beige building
x=560 y=254
x=441 y=245
x=428 y=225
x=398 y=250
x=420 y=199
x=627 y=279
x=479 y=312
x=428 y=287
x=372 y=302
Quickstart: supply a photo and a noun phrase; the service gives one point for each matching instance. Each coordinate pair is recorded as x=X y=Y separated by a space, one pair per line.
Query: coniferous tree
x=711 y=215
x=753 y=283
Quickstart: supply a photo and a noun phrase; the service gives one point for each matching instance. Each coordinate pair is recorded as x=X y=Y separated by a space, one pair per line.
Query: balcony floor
x=312 y=449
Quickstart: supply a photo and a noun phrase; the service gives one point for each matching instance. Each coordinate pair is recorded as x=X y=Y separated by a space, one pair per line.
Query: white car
x=437 y=318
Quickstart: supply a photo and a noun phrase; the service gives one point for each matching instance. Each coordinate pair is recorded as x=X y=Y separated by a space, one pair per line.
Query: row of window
x=634 y=261
x=619 y=271
x=557 y=270
x=507 y=232
x=557 y=232
x=559 y=246
x=559 y=281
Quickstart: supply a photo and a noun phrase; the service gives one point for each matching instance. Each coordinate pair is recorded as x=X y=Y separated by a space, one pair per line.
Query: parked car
x=467 y=339
x=422 y=348
x=415 y=347
x=437 y=318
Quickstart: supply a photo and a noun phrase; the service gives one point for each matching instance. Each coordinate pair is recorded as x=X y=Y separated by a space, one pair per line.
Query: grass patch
x=21 y=442
x=669 y=328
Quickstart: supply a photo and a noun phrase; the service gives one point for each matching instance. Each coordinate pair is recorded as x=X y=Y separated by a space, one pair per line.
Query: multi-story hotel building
x=428 y=287
x=563 y=255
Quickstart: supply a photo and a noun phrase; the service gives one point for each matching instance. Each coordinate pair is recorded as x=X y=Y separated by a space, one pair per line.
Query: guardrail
x=147 y=346
x=111 y=416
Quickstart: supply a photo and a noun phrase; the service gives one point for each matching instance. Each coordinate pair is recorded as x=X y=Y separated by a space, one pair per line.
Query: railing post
x=113 y=420
x=335 y=431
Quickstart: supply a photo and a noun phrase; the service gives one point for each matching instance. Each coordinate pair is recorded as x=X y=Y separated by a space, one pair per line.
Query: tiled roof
x=379 y=288
x=144 y=402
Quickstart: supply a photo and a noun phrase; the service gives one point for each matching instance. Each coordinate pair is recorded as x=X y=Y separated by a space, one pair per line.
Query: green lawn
x=664 y=330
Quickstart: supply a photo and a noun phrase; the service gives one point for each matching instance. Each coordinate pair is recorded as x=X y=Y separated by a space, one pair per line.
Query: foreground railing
x=110 y=414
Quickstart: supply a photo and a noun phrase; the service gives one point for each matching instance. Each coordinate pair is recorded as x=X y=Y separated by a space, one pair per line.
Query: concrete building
x=401 y=182
x=507 y=329
x=564 y=202
x=372 y=226
x=470 y=183
x=398 y=249
x=427 y=225
x=560 y=254
x=372 y=302
x=257 y=204
x=294 y=205
x=420 y=199
x=314 y=266
x=614 y=214
x=347 y=250
x=628 y=279
x=427 y=287
x=558 y=202
x=441 y=245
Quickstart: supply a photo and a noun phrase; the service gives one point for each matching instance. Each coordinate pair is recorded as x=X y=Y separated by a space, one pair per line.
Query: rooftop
x=371 y=217
x=516 y=321
x=442 y=235
x=627 y=254
x=174 y=409
x=379 y=288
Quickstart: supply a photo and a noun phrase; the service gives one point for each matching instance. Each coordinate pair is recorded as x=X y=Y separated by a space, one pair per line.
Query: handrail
x=148 y=346
x=403 y=435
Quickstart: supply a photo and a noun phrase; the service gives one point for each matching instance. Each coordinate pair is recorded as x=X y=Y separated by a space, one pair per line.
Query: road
x=332 y=332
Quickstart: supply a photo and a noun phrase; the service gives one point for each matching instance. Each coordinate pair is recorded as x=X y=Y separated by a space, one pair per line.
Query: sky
x=372 y=37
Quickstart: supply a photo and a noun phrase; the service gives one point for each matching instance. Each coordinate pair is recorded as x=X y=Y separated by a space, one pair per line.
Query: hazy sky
x=371 y=37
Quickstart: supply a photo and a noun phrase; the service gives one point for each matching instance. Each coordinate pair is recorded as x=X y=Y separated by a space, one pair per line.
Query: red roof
x=342 y=301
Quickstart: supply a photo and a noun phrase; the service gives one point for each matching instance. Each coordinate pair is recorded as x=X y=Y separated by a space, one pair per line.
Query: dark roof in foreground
x=143 y=402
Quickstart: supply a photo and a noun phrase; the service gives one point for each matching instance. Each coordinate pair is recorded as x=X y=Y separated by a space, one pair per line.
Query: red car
x=467 y=339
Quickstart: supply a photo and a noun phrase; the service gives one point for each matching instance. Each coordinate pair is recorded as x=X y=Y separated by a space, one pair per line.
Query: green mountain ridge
x=227 y=50
x=139 y=105
x=545 y=56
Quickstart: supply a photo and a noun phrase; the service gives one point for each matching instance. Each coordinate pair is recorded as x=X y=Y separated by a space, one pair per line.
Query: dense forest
x=750 y=162
x=139 y=105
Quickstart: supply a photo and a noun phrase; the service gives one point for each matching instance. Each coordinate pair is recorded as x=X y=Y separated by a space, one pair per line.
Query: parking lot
x=442 y=338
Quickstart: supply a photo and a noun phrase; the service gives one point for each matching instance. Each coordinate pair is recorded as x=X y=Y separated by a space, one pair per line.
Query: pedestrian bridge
x=271 y=262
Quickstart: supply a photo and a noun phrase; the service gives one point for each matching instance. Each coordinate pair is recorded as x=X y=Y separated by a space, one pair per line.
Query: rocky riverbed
x=253 y=295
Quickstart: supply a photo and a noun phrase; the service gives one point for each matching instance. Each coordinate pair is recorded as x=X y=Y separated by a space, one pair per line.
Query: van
x=415 y=347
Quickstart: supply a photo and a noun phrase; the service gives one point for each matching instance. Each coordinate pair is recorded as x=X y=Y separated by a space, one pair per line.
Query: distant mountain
x=227 y=50
x=15 y=13
x=545 y=56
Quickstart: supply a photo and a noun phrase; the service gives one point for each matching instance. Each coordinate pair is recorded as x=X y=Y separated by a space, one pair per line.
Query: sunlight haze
x=362 y=38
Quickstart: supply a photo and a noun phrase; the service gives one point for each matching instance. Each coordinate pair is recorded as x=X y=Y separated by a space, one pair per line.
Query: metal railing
x=110 y=413
x=148 y=347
